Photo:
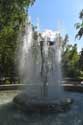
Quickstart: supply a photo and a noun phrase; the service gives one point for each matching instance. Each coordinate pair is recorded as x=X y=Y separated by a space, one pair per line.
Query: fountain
x=40 y=69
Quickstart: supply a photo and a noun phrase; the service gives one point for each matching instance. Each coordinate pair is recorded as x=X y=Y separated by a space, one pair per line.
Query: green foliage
x=12 y=20
x=81 y=60
x=70 y=61
x=79 y=26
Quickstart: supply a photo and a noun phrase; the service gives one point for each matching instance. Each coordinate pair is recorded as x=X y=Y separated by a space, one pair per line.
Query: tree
x=81 y=60
x=79 y=26
x=70 y=61
x=65 y=41
x=12 y=21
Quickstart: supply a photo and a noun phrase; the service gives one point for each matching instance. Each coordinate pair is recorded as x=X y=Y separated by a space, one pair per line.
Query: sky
x=58 y=15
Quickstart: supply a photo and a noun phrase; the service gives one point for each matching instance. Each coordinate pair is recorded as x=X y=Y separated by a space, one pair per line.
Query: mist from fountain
x=40 y=69
x=29 y=63
x=25 y=53
x=32 y=63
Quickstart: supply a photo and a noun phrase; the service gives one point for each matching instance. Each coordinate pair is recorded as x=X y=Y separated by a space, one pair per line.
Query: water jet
x=40 y=68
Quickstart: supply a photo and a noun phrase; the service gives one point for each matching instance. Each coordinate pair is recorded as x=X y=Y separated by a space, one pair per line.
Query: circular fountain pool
x=41 y=104
x=10 y=114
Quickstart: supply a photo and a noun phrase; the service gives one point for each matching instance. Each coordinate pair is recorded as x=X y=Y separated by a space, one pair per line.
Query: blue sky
x=58 y=14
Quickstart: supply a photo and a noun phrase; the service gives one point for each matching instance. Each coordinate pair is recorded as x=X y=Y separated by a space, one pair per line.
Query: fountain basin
x=41 y=104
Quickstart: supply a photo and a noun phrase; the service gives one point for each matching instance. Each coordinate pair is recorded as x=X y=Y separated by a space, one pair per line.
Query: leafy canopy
x=12 y=20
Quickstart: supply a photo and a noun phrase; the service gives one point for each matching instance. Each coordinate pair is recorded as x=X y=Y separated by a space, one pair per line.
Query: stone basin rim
x=41 y=104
